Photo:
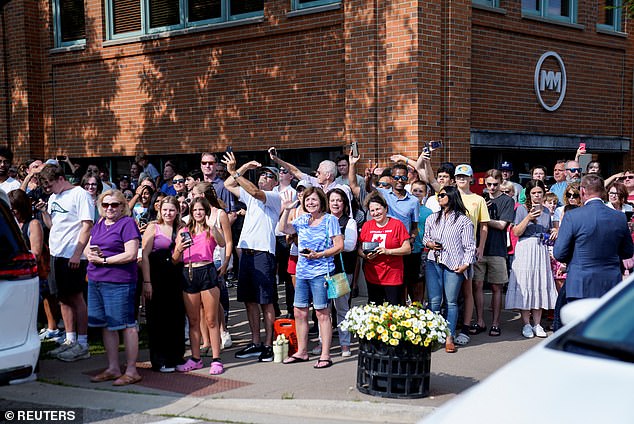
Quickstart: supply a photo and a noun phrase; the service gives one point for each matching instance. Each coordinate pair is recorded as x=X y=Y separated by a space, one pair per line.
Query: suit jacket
x=593 y=240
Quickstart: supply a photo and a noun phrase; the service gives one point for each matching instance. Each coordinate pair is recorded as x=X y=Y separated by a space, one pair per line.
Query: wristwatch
x=105 y=260
x=236 y=175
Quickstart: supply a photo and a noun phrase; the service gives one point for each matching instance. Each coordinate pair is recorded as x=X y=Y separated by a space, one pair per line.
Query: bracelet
x=147 y=282
x=236 y=175
x=105 y=260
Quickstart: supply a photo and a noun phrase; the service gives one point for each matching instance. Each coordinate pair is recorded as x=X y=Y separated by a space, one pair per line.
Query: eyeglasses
x=179 y=181
x=383 y=184
x=283 y=171
x=442 y=195
x=90 y=185
x=114 y=205
x=399 y=177
x=493 y=184
x=268 y=175
x=613 y=193
x=574 y=170
x=572 y=195
x=207 y=163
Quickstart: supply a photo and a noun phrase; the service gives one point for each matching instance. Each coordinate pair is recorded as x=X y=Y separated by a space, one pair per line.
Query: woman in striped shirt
x=449 y=238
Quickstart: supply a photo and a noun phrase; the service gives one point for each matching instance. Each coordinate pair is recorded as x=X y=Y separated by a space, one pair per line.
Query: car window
x=614 y=323
x=10 y=243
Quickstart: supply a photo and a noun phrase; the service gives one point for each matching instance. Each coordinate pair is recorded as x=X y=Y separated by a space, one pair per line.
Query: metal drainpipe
x=6 y=76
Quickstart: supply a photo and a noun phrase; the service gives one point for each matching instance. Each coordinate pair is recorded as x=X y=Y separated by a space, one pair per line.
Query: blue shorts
x=111 y=305
x=256 y=281
x=311 y=289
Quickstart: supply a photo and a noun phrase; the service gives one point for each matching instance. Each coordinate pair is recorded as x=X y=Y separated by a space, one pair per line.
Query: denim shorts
x=311 y=289
x=111 y=305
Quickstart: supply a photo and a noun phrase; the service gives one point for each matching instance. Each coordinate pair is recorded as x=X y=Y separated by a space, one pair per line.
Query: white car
x=19 y=298
x=583 y=374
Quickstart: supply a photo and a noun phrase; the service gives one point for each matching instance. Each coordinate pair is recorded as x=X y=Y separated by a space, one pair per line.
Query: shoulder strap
x=25 y=233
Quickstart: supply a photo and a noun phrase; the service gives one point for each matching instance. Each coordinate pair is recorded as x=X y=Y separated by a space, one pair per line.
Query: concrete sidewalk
x=250 y=391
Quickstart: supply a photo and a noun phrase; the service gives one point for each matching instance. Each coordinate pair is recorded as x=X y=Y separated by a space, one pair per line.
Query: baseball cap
x=52 y=162
x=304 y=183
x=464 y=169
x=273 y=170
x=506 y=166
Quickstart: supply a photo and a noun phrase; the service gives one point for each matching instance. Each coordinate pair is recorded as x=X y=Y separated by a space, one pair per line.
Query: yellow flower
x=380 y=329
x=393 y=327
x=393 y=342
x=385 y=337
x=397 y=334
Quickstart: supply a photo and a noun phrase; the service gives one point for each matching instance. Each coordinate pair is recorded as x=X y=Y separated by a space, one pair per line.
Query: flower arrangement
x=392 y=324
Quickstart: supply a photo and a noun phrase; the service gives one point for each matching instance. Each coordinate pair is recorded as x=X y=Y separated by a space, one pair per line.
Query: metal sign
x=550 y=80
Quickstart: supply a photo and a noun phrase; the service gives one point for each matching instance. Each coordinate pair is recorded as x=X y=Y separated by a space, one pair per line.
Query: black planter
x=393 y=371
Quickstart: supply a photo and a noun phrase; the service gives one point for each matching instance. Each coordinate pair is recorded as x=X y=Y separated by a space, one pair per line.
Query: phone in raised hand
x=354 y=149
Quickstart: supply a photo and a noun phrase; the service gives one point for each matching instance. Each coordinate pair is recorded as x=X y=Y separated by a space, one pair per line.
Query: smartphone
x=438 y=244
x=186 y=237
x=425 y=148
x=435 y=144
x=355 y=149
x=305 y=251
x=95 y=249
x=61 y=157
x=229 y=149
x=273 y=151
x=486 y=196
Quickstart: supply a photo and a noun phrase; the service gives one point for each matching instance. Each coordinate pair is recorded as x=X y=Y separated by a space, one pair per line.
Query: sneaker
x=527 y=331
x=75 y=353
x=190 y=365
x=267 y=354
x=47 y=334
x=61 y=348
x=345 y=351
x=225 y=340
x=166 y=369
x=251 y=351
x=539 y=331
x=462 y=339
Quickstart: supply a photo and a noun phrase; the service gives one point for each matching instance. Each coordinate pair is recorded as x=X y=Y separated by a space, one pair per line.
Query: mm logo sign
x=550 y=84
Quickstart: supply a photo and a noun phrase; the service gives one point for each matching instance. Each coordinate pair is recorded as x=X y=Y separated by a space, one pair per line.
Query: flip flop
x=104 y=376
x=126 y=379
x=318 y=365
x=294 y=360
x=495 y=331
x=476 y=329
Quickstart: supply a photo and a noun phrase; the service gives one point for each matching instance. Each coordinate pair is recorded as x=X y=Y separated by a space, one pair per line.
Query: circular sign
x=550 y=80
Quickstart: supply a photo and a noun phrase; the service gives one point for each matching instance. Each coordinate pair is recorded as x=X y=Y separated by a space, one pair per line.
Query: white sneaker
x=75 y=353
x=346 y=352
x=61 y=348
x=225 y=340
x=166 y=369
x=527 y=331
x=462 y=339
x=539 y=331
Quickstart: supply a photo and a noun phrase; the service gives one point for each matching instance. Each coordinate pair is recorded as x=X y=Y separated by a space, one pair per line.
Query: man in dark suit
x=592 y=240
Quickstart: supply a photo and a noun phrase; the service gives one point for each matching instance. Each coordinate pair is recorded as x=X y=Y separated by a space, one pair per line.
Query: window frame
x=487 y=3
x=617 y=16
x=296 y=5
x=57 y=28
x=543 y=12
x=184 y=19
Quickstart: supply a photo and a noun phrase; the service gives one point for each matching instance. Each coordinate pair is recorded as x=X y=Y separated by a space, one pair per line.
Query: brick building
x=108 y=78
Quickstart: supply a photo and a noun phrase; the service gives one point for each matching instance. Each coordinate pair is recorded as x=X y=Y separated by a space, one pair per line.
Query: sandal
x=477 y=329
x=126 y=379
x=104 y=376
x=462 y=339
x=216 y=368
x=294 y=359
x=495 y=331
x=450 y=347
x=327 y=362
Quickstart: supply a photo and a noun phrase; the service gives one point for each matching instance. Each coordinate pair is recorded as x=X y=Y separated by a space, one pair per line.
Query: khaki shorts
x=491 y=269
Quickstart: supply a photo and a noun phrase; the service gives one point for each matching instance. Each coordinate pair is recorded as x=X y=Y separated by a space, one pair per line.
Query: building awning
x=535 y=141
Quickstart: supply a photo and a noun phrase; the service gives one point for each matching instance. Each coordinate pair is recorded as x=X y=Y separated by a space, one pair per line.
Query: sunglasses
x=573 y=170
x=442 y=195
x=400 y=177
x=572 y=195
x=628 y=177
x=90 y=185
x=493 y=184
x=178 y=181
x=383 y=184
x=208 y=163
x=283 y=171
x=114 y=205
x=268 y=175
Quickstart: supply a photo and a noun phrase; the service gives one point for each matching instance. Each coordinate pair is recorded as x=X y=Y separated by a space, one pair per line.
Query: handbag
x=338 y=284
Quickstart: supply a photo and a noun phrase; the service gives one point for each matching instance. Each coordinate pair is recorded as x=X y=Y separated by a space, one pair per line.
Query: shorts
x=313 y=290
x=111 y=305
x=63 y=281
x=292 y=264
x=256 y=280
x=491 y=269
x=203 y=278
x=411 y=268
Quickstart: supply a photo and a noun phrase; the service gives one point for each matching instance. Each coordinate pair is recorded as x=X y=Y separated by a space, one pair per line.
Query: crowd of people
x=174 y=242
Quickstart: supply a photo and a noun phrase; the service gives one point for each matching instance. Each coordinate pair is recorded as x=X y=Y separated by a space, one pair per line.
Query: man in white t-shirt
x=282 y=248
x=69 y=215
x=6 y=182
x=256 y=281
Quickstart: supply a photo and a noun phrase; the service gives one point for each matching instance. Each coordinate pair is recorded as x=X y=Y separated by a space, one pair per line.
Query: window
x=304 y=4
x=610 y=15
x=137 y=17
x=561 y=10
x=490 y=3
x=70 y=22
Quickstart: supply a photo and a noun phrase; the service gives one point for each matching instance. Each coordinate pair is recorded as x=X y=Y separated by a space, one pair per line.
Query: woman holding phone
x=195 y=247
x=531 y=284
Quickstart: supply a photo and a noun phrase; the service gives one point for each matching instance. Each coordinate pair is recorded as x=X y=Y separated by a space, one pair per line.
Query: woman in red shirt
x=384 y=241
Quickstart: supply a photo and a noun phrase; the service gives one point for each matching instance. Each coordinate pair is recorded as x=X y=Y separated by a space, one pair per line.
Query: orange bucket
x=286 y=326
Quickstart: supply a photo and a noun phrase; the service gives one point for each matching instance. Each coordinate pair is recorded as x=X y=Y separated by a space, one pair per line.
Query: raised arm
x=236 y=177
x=288 y=205
x=425 y=171
x=352 y=175
x=295 y=171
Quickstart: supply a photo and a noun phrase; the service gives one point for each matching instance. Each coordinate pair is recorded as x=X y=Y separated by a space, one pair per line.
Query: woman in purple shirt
x=112 y=277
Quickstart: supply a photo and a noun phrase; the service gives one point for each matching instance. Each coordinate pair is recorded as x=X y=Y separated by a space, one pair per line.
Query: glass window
x=137 y=17
x=610 y=15
x=70 y=22
x=303 y=4
x=562 y=10
x=490 y=3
